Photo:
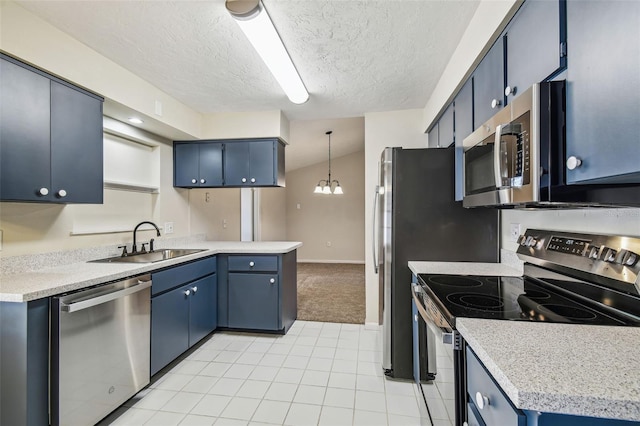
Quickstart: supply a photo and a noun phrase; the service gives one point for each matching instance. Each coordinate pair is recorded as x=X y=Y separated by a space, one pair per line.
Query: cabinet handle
x=272 y=280
x=194 y=289
x=187 y=292
x=61 y=194
x=43 y=191
x=510 y=90
x=481 y=400
x=495 y=103
x=253 y=180
x=573 y=162
x=194 y=181
x=244 y=180
x=203 y=180
x=252 y=264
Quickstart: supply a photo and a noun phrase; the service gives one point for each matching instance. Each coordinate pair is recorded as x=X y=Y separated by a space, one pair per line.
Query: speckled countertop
x=47 y=281
x=561 y=368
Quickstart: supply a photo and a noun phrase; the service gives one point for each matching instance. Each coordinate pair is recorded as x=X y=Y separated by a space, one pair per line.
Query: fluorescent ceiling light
x=254 y=21
x=135 y=120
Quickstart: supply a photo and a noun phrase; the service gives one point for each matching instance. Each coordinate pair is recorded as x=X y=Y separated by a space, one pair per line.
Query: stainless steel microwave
x=517 y=158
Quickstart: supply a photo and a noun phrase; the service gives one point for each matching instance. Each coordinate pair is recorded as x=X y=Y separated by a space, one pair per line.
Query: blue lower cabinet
x=184 y=309
x=536 y=418
x=169 y=327
x=203 y=318
x=253 y=301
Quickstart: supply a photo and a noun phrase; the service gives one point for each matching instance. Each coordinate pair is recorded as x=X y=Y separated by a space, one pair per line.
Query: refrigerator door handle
x=374 y=239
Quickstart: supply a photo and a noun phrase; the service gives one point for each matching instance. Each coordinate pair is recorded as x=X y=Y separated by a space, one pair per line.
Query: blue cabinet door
x=24 y=132
x=210 y=164
x=488 y=85
x=464 y=127
x=262 y=162
x=533 y=45
x=203 y=308
x=186 y=157
x=603 y=87
x=445 y=128
x=76 y=146
x=236 y=163
x=253 y=301
x=169 y=327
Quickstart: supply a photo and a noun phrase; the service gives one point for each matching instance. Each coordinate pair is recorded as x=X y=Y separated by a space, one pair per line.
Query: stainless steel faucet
x=134 y=249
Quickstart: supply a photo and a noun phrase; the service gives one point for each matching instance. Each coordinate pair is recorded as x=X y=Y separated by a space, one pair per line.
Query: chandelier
x=324 y=186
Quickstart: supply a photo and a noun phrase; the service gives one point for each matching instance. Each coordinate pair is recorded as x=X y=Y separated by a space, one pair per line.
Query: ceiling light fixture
x=135 y=120
x=324 y=186
x=254 y=21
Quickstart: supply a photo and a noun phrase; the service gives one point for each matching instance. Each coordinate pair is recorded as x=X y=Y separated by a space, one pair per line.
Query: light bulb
x=326 y=189
x=338 y=190
x=318 y=189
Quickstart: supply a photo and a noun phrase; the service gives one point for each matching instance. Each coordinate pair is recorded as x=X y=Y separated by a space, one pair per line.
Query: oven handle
x=447 y=333
x=497 y=155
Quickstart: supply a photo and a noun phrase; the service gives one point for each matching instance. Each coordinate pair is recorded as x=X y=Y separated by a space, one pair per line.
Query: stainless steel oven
x=517 y=158
x=571 y=278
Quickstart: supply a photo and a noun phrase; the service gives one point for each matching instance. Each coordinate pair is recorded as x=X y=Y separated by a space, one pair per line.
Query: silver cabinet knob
x=43 y=191
x=495 y=103
x=481 y=400
x=194 y=289
x=61 y=194
x=573 y=162
x=272 y=280
x=510 y=90
x=187 y=292
x=415 y=318
x=252 y=264
x=194 y=181
x=244 y=180
x=253 y=180
x=465 y=424
x=203 y=180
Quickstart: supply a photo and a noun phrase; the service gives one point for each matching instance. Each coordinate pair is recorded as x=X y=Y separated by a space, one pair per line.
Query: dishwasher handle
x=104 y=298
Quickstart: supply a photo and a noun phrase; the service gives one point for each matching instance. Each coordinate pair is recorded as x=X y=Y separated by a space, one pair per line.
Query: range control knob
x=608 y=254
x=629 y=258
x=592 y=252
x=530 y=242
x=522 y=240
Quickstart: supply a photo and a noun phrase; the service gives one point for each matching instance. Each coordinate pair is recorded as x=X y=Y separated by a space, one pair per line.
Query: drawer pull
x=194 y=289
x=252 y=264
x=272 y=280
x=481 y=400
x=187 y=292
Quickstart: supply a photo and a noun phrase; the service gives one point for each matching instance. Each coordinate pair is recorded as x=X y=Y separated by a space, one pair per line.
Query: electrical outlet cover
x=514 y=232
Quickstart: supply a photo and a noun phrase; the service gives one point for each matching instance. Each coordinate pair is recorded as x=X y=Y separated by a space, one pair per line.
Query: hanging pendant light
x=324 y=185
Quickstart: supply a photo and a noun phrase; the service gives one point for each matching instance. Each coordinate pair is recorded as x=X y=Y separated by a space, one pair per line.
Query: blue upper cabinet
x=254 y=163
x=445 y=128
x=603 y=91
x=488 y=85
x=197 y=164
x=51 y=133
x=533 y=45
x=433 y=136
x=464 y=127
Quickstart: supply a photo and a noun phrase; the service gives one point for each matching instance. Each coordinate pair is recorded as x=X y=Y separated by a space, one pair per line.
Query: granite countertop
x=561 y=368
x=48 y=281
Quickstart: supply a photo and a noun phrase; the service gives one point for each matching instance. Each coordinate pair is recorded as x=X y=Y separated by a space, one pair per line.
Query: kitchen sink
x=149 y=257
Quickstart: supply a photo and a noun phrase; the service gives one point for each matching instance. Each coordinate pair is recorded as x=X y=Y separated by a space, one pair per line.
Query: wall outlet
x=207 y=197
x=168 y=227
x=328 y=243
x=224 y=223
x=298 y=206
x=514 y=232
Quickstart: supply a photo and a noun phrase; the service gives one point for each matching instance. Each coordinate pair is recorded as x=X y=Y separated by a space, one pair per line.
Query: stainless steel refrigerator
x=417 y=219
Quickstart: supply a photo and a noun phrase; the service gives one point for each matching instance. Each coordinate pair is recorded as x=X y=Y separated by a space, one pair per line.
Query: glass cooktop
x=511 y=298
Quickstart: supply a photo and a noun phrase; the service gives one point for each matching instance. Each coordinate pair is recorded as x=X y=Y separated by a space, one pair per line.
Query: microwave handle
x=497 y=154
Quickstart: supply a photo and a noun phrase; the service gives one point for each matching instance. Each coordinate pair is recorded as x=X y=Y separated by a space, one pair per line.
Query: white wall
x=272 y=214
x=383 y=129
x=223 y=125
x=338 y=219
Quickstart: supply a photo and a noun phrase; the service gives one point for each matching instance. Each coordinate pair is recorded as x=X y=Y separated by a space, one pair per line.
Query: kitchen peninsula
x=26 y=291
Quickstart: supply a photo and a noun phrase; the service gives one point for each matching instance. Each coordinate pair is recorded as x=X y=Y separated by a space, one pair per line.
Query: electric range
x=568 y=278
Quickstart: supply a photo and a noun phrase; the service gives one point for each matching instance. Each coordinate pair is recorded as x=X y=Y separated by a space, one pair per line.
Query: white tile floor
x=317 y=374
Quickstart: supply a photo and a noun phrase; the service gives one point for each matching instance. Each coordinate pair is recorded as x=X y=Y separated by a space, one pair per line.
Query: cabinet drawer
x=498 y=410
x=253 y=263
x=178 y=275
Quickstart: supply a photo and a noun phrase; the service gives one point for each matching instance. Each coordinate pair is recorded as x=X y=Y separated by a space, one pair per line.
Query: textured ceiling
x=353 y=56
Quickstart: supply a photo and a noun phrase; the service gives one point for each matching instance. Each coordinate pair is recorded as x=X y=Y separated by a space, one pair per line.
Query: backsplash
x=31 y=262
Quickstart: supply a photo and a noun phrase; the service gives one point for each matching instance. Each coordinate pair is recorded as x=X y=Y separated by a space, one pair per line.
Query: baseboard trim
x=352 y=262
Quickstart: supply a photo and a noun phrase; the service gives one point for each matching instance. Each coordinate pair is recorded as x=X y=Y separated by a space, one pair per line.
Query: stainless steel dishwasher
x=100 y=349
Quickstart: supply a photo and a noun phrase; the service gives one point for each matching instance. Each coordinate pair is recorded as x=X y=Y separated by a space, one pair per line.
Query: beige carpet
x=331 y=292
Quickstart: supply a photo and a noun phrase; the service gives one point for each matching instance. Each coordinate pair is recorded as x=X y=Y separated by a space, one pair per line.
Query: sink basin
x=149 y=257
